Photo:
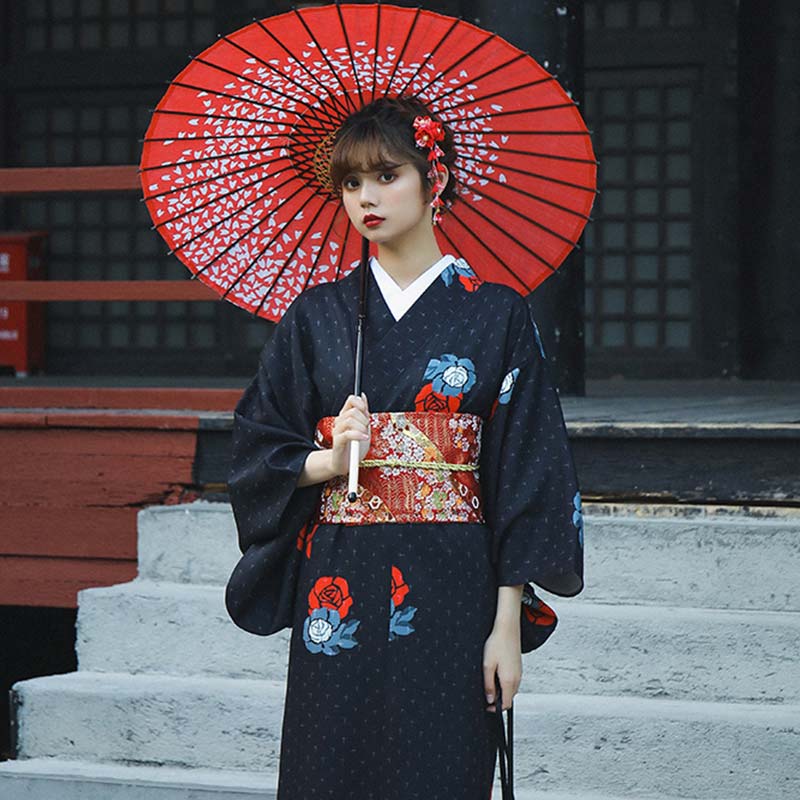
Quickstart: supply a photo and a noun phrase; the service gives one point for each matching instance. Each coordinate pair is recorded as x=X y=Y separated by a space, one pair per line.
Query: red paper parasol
x=234 y=164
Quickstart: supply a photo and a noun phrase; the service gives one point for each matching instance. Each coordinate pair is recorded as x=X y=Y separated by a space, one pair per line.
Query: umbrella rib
x=321 y=248
x=254 y=261
x=287 y=260
x=169 y=164
x=493 y=72
x=513 y=238
x=302 y=152
x=540 y=176
x=184 y=187
x=519 y=214
x=204 y=138
x=397 y=63
x=492 y=253
x=475 y=101
x=247 y=232
x=536 y=154
x=327 y=60
x=431 y=55
x=246 y=100
x=527 y=194
x=262 y=62
x=266 y=247
x=335 y=100
x=493 y=114
x=463 y=57
x=215 y=200
x=262 y=85
x=457 y=250
x=298 y=125
x=350 y=53
x=521 y=133
x=375 y=57
x=313 y=263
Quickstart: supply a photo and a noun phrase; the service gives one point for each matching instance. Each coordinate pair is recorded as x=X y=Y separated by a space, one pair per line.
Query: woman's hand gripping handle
x=351 y=440
x=350 y=435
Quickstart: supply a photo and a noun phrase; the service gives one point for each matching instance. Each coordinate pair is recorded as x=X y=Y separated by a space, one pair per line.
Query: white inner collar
x=400 y=300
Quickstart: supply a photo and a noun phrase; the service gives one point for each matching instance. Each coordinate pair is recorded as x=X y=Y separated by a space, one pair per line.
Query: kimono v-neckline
x=380 y=321
x=402 y=299
x=384 y=336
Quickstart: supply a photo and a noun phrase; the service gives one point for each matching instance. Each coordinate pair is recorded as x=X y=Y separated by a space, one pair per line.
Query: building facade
x=667 y=292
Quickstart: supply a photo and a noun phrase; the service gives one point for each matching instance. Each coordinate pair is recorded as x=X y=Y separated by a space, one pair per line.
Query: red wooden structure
x=78 y=463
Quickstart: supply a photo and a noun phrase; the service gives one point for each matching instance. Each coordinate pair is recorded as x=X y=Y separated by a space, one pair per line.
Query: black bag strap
x=505 y=743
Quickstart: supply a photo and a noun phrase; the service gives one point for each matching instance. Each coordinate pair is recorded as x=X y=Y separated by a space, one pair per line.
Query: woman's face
x=387 y=204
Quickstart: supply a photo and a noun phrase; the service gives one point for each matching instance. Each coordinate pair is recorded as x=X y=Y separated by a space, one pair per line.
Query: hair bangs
x=365 y=148
x=381 y=136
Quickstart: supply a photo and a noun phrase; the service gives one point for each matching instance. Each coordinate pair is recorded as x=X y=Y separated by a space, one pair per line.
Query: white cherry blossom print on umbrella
x=235 y=161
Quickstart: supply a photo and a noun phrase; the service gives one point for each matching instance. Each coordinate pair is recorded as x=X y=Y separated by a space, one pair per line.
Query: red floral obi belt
x=421 y=466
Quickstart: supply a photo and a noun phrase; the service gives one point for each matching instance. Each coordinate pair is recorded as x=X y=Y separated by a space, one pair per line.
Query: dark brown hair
x=382 y=132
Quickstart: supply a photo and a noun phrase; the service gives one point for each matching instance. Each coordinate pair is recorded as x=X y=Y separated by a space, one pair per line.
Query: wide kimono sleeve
x=273 y=432
x=531 y=497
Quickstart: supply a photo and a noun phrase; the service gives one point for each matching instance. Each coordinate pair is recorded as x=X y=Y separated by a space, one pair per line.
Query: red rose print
x=399 y=586
x=428 y=400
x=542 y=615
x=332 y=593
x=304 y=538
x=470 y=282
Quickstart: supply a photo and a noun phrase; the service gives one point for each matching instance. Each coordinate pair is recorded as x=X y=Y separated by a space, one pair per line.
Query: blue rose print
x=459 y=269
x=324 y=632
x=577 y=516
x=400 y=620
x=451 y=375
x=507 y=387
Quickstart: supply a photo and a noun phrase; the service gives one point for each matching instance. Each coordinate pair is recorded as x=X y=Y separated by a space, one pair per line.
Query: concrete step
x=650 y=651
x=187 y=543
x=206 y=722
x=643 y=747
x=61 y=779
x=701 y=562
x=569 y=743
x=58 y=779
x=173 y=628
x=706 y=562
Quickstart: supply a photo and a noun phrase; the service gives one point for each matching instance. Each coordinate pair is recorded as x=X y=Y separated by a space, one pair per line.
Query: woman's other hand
x=502 y=656
x=350 y=425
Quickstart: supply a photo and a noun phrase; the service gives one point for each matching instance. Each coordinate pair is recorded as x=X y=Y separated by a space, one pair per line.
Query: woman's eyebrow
x=382 y=166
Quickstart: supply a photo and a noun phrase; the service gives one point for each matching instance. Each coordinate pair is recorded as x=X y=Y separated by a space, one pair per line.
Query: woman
x=407 y=602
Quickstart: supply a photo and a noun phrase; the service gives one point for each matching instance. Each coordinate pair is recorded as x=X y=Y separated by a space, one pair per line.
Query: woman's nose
x=367 y=195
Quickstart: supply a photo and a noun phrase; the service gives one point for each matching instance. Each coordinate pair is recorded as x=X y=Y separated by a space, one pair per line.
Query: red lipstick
x=372 y=221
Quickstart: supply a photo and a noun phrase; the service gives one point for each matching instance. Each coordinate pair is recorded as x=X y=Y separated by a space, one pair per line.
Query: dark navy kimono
x=385 y=697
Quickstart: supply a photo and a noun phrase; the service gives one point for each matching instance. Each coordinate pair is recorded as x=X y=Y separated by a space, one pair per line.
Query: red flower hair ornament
x=427 y=133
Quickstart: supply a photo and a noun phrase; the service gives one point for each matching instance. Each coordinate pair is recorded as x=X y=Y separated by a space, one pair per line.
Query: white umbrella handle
x=352 y=479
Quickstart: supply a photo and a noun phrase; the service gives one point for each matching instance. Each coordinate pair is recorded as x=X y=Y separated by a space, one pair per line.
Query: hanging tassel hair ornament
x=428 y=132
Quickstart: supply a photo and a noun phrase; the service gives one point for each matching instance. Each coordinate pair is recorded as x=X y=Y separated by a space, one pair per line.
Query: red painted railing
x=47 y=180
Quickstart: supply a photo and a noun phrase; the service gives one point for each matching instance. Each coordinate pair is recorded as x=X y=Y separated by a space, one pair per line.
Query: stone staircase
x=675 y=675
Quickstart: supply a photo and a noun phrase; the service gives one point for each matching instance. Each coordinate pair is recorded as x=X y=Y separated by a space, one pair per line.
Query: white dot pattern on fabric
x=401 y=717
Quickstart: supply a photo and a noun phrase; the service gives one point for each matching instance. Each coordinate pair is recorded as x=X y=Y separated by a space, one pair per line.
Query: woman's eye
x=387 y=177
x=350 y=183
